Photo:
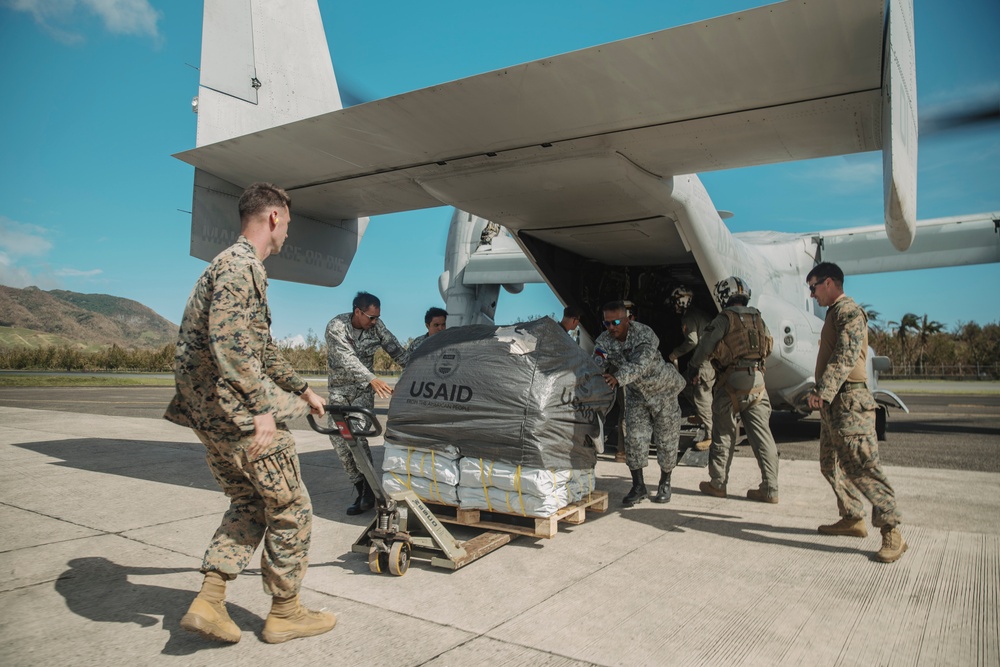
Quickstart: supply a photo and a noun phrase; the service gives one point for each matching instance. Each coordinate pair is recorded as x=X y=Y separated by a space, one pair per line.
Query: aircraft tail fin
x=262 y=64
x=265 y=64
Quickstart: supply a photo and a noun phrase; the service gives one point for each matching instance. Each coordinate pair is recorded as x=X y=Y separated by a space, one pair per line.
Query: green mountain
x=31 y=317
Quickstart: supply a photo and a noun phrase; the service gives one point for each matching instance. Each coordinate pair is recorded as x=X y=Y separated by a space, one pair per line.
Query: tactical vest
x=746 y=339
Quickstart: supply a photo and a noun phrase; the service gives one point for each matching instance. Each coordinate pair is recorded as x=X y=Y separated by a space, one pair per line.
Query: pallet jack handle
x=348 y=428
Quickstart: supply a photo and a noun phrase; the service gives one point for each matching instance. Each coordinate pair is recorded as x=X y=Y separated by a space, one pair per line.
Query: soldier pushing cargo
x=351 y=342
x=237 y=393
x=629 y=352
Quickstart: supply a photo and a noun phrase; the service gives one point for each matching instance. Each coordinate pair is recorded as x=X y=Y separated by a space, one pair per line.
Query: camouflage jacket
x=638 y=361
x=849 y=326
x=415 y=343
x=227 y=367
x=693 y=325
x=350 y=361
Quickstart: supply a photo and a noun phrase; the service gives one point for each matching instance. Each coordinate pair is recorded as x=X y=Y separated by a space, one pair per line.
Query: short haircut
x=739 y=300
x=612 y=306
x=571 y=311
x=825 y=270
x=433 y=312
x=363 y=301
x=260 y=197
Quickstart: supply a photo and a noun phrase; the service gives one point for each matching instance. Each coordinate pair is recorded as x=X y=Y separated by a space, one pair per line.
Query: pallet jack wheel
x=378 y=561
x=399 y=558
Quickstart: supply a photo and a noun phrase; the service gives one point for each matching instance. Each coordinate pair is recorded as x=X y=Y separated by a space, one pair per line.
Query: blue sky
x=99 y=93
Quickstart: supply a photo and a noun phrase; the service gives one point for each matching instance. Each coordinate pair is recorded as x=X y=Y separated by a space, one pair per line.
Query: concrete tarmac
x=105 y=518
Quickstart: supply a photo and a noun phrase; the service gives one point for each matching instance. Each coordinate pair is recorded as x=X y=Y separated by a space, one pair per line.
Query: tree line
x=916 y=345
x=310 y=357
x=921 y=347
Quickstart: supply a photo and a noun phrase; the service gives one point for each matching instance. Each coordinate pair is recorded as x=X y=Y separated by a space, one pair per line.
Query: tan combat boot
x=761 y=496
x=893 y=545
x=710 y=489
x=289 y=620
x=850 y=526
x=207 y=614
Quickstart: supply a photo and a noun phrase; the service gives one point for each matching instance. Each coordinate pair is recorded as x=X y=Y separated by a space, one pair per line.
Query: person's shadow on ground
x=98 y=589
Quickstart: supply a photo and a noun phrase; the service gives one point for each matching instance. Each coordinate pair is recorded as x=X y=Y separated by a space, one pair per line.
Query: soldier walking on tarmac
x=848 y=446
x=629 y=353
x=237 y=393
x=351 y=342
x=737 y=341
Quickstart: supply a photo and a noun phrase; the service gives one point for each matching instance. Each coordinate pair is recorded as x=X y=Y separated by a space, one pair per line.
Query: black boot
x=638 y=492
x=663 y=490
x=367 y=498
x=358 y=506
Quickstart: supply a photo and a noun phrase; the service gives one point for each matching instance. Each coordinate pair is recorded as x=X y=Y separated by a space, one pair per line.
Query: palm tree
x=908 y=322
x=924 y=330
x=874 y=317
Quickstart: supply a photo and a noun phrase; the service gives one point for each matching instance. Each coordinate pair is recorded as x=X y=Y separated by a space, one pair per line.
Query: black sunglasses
x=812 y=288
x=612 y=323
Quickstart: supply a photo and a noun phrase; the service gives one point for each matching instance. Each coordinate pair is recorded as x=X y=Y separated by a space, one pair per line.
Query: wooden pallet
x=574 y=513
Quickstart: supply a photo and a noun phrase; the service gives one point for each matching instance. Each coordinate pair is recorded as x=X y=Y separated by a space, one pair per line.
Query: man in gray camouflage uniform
x=693 y=324
x=738 y=342
x=237 y=393
x=351 y=342
x=848 y=446
x=629 y=353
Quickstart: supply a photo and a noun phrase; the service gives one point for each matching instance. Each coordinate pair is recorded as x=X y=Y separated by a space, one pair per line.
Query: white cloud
x=21 y=240
x=23 y=258
x=845 y=174
x=77 y=273
x=120 y=17
x=12 y=275
x=297 y=340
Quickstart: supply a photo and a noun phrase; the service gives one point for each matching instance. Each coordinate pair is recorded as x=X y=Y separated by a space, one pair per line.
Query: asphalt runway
x=943 y=430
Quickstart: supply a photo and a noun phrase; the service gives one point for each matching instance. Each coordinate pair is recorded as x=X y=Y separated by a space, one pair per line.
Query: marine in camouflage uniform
x=848 y=444
x=739 y=391
x=632 y=358
x=236 y=392
x=351 y=342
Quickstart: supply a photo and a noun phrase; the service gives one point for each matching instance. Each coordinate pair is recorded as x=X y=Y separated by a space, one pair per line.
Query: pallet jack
x=403 y=527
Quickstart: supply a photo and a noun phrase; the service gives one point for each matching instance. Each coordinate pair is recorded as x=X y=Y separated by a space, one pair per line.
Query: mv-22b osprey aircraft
x=587 y=158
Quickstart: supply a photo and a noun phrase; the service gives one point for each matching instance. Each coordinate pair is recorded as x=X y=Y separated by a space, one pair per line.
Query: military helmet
x=730 y=287
x=681 y=297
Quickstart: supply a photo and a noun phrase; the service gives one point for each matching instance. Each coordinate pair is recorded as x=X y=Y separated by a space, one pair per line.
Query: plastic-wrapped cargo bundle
x=512 y=502
x=524 y=394
x=432 y=475
x=502 y=487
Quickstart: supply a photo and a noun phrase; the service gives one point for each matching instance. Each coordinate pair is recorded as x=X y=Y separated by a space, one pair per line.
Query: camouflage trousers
x=657 y=420
x=700 y=394
x=365 y=398
x=848 y=458
x=267 y=501
x=724 y=432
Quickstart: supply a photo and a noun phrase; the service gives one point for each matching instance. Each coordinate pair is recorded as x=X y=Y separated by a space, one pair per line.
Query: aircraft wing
x=955 y=241
x=541 y=144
